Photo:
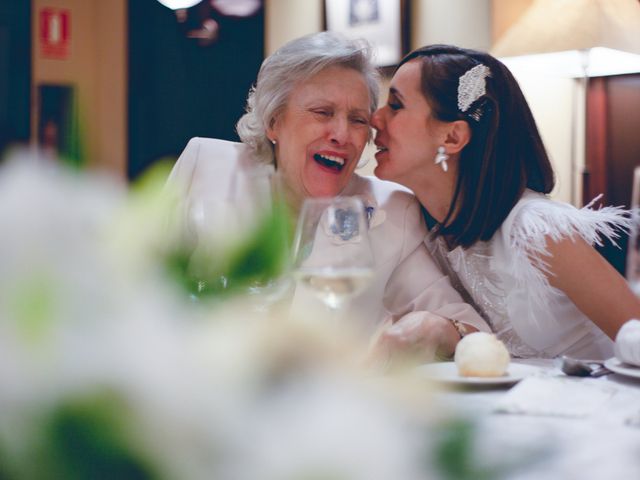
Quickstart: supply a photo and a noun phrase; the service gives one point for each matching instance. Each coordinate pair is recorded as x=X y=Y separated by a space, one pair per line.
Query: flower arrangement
x=110 y=369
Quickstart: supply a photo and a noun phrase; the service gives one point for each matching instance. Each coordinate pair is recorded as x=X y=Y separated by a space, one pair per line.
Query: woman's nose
x=376 y=119
x=339 y=130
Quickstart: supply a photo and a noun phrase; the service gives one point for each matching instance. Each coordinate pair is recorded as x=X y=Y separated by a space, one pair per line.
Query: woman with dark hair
x=457 y=131
x=308 y=116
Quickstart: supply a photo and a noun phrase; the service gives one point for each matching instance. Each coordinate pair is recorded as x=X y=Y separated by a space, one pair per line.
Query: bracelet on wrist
x=461 y=328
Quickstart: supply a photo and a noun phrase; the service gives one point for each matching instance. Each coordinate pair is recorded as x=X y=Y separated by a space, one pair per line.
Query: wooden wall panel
x=613 y=146
x=595 y=173
x=623 y=97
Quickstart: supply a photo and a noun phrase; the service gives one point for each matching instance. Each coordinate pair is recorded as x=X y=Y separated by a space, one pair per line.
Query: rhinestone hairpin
x=472 y=85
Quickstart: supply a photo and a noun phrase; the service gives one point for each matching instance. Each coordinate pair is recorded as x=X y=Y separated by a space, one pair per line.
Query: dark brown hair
x=505 y=154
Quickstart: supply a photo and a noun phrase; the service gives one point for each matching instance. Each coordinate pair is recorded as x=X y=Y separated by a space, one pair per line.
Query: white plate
x=617 y=366
x=447 y=372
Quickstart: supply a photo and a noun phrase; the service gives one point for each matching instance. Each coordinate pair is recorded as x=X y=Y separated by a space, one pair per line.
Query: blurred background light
x=179 y=4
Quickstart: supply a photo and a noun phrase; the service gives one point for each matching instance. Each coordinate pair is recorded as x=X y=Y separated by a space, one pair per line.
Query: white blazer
x=406 y=277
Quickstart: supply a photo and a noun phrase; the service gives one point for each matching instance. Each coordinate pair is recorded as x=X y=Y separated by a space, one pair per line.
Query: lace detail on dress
x=471 y=274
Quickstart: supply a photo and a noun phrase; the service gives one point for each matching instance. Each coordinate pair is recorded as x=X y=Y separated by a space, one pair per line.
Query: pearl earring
x=273 y=142
x=441 y=158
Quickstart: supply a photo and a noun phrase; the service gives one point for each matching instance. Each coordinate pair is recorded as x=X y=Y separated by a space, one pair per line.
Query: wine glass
x=332 y=252
x=633 y=251
x=239 y=238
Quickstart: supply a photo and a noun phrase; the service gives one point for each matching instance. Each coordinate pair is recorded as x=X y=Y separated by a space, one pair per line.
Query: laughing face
x=407 y=134
x=322 y=132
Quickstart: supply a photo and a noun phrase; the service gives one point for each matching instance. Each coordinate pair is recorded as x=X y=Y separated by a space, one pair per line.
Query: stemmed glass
x=239 y=238
x=332 y=252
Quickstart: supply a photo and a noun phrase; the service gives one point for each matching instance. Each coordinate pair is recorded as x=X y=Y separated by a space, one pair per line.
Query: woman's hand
x=416 y=337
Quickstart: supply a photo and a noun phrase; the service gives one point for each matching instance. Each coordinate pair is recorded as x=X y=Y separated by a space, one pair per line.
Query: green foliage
x=72 y=150
x=454 y=453
x=33 y=304
x=456 y=458
x=256 y=261
x=150 y=184
x=4 y=469
x=86 y=439
x=264 y=255
x=206 y=268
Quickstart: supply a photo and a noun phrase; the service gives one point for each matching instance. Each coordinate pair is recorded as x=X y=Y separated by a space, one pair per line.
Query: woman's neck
x=292 y=200
x=283 y=192
x=436 y=197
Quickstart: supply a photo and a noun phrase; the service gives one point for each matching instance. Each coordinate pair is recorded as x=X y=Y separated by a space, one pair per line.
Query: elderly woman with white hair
x=308 y=115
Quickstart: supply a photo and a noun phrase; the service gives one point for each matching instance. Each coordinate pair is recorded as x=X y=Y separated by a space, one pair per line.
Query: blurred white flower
x=326 y=427
x=200 y=390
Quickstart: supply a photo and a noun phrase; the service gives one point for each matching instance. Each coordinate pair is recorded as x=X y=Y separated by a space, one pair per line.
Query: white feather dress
x=504 y=277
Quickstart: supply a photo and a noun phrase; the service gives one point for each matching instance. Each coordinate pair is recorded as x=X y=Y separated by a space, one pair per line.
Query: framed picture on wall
x=381 y=22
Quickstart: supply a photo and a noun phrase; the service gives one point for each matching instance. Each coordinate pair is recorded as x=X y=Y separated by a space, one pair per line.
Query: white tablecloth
x=602 y=443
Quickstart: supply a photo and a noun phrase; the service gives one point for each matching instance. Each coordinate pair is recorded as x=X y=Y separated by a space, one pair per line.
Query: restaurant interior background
x=128 y=86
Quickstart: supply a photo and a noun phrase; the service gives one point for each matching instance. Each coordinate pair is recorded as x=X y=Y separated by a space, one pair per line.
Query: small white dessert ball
x=627 y=346
x=481 y=354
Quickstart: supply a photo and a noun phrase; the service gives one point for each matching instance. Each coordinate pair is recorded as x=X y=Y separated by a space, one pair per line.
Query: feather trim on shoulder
x=540 y=219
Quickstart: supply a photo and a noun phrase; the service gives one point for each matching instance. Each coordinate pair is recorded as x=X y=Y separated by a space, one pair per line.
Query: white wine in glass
x=332 y=252
x=334 y=287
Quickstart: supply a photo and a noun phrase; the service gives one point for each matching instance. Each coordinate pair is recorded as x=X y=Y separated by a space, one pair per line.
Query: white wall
x=289 y=19
x=552 y=103
x=465 y=23
x=558 y=108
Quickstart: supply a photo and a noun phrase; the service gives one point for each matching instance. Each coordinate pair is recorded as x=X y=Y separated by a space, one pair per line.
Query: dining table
x=548 y=425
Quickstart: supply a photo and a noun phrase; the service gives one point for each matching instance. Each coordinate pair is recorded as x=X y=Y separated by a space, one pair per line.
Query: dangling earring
x=441 y=158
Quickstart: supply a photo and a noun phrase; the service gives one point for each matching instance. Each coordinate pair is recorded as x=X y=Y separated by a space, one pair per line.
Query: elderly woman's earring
x=273 y=142
x=441 y=158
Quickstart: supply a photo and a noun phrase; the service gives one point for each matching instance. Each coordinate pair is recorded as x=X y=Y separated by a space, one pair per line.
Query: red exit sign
x=55 y=32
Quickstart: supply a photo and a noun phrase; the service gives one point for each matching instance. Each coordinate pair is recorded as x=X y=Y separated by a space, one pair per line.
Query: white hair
x=296 y=61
